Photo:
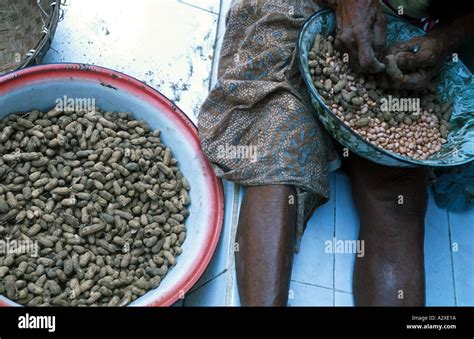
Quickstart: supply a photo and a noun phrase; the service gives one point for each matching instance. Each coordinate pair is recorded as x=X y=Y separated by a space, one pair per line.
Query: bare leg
x=266 y=238
x=392 y=206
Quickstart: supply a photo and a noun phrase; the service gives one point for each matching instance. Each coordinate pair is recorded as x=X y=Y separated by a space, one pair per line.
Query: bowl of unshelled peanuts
x=106 y=198
x=431 y=127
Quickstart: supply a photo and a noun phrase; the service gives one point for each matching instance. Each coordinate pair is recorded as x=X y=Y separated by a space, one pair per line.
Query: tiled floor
x=173 y=45
x=168 y=44
x=325 y=279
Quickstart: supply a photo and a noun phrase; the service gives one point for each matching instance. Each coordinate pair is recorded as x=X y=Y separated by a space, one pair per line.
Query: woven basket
x=26 y=30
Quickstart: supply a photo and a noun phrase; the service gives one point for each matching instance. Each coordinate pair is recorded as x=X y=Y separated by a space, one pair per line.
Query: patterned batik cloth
x=257 y=126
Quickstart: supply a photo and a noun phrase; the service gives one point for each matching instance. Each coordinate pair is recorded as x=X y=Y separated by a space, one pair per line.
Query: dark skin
x=420 y=67
x=393 y=236
x=266 y=238
x=360 y=32
x=391 y=273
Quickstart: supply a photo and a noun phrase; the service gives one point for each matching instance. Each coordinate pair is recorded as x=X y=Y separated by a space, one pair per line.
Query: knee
x=391 y=284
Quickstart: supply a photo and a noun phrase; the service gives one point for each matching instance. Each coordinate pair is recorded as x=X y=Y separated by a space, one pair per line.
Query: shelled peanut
x=413 y=124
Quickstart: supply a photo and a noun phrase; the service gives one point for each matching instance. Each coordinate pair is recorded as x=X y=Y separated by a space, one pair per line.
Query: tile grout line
x=197 y=7
x=231 y=253
x=215 y=59
x=334 y=236
x=203 y=285
x=230 y=265
x=211 y=83
x=451 y=257
x=319 y=286
x=197 y=287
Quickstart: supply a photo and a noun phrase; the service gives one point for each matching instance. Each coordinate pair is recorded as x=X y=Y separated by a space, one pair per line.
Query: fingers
x=394 y=76
x=346 y=43
x=417 y=80
x=397 y=48
x=364 y=44
x=360 y=50
x=370 y=43
x=367 y=60
x=413 y=81
x=361 y=28
x=411 y=61
x=379 y=36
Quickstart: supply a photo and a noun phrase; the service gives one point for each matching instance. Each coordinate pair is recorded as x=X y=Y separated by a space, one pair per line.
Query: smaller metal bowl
x=455 y=82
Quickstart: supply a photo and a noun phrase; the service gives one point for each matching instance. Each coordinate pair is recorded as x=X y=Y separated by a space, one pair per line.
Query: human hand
x=418 y=60
x=361 y=32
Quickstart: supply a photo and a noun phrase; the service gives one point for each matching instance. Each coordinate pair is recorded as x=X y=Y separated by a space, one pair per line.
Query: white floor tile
x=313 y=264
x=211 y=294
x=308 y=295
x=462 y=237
x=344 y=299
x=207 y=5
x=347 y=228
x=165 y=43
x=438 y=266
